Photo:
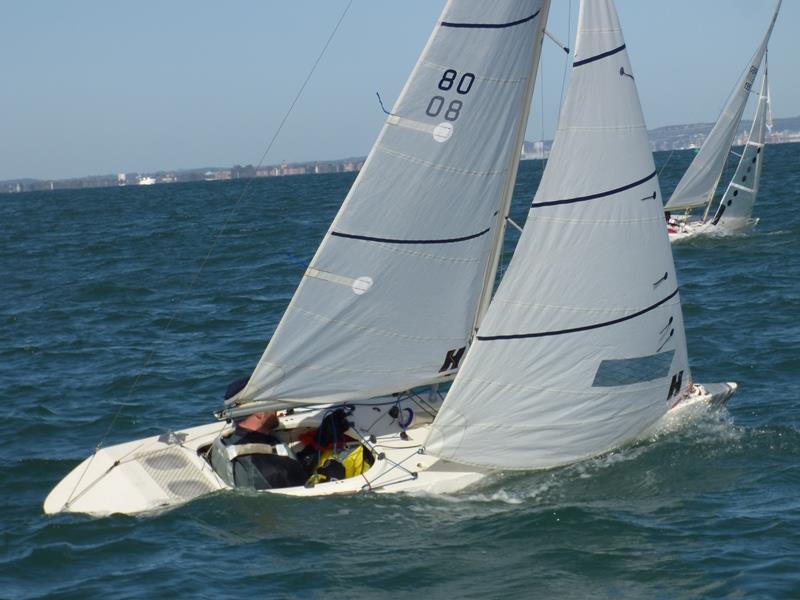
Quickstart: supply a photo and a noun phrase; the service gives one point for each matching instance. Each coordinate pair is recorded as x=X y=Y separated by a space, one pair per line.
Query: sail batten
x=518 y=336
x=490 y=25
x=623 y=188
x=600 y=56
x=367 y=238
x=583 y=346
x=396 y=283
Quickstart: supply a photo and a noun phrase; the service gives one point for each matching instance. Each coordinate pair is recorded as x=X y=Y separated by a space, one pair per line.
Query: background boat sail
x=699 y=183
x=588 y=311
x=736 y=207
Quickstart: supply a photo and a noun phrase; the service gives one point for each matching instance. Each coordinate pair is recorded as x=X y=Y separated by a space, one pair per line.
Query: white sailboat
x=582 y=347
x=699 y=183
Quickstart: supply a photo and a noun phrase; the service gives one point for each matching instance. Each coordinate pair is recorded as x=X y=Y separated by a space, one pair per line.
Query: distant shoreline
x=668 y=138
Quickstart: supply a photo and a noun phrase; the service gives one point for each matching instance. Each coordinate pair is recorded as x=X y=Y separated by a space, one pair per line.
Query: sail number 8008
x=446 y=83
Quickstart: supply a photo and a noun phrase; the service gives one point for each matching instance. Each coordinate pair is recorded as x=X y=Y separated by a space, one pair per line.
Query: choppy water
x=708 y=507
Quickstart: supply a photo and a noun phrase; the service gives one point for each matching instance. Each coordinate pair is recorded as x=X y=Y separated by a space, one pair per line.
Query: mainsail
x=698 y=184
x=583 y=345
x=736 y=206
x=391 y=298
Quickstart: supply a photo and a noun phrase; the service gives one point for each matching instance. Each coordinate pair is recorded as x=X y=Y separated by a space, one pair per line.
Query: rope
x=664 y=166
x=566 y=62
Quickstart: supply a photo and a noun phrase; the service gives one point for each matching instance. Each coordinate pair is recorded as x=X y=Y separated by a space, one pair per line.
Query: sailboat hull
x=159 y=473
x=695 y=229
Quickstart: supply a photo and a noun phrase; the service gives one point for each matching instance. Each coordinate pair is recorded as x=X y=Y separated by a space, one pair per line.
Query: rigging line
x=229 y=217
x=664 y=166
x=566 y=62
x=541 y=90
x=396 y=465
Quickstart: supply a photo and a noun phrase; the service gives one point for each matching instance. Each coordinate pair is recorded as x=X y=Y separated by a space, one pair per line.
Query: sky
x=94 y=87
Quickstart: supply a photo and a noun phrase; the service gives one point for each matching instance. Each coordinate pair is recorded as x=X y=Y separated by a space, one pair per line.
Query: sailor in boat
x=251 y=456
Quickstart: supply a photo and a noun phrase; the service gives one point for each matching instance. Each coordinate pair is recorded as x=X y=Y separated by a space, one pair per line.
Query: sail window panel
x=354 y=345
x=411 y=202
x=446 y=283
x=629 y=371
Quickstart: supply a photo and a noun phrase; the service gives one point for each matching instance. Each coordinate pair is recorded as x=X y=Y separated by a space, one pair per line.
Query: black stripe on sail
x=584 y=61
x=490 y=25
x=518 y=336
x=367 y=238
x=595 y=196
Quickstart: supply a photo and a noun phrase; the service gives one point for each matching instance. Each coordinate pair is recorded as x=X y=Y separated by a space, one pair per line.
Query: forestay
x=697 y=186
x=583 y=345
x=390 y=299
x=736 y=206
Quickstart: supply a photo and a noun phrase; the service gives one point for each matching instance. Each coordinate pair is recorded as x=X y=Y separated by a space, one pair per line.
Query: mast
x=508 y=189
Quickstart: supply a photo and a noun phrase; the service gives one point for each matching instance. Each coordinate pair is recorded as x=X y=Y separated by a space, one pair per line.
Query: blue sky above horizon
x=95 y=87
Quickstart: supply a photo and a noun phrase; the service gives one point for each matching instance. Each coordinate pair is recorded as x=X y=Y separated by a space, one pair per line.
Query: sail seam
x=489 y=338
x=480 y=78
x=381 y=332
x=402 y=249
x=427 y=163
x=490 y=25
x=579 y=63
x=367 y=238
x=541 y=218
x=557 y=307
x=598 y=195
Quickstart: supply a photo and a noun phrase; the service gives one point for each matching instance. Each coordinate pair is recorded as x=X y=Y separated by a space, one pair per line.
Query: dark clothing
x=262 y=471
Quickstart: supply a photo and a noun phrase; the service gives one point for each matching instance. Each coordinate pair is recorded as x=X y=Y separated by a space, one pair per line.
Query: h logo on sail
x=675 y=386
x=453 y=358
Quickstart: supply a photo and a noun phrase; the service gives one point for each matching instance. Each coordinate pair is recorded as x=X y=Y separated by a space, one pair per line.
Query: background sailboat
x=696 y=188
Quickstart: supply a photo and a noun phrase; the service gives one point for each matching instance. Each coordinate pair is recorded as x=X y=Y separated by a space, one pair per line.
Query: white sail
x=583 y=345
x=736 y=207
x=390 y=299
x=698 y=184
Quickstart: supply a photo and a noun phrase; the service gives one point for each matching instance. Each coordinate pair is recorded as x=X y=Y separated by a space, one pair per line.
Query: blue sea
x=126 y=312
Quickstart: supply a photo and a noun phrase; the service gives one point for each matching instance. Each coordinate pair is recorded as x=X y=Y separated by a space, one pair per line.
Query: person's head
x=262 y=422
